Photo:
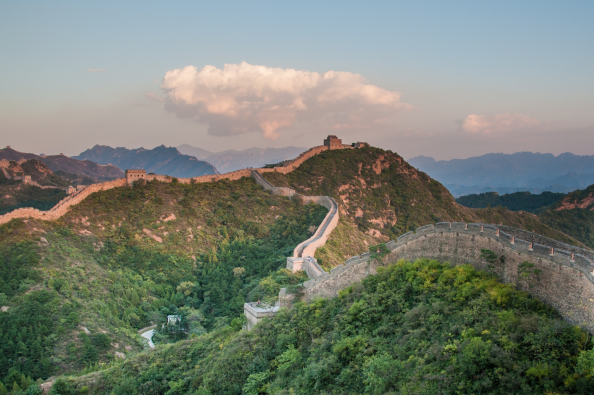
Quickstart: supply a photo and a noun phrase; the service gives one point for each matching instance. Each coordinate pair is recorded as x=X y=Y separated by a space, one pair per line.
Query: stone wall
x=63 y=205
x=255 y=314
x=535 y=238
x=566 y=280
x=303 y=254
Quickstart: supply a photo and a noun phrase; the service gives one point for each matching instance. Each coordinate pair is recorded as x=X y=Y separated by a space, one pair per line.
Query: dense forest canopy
x=74 y=293
x=518 y=201
x=414 y=328
x=574 y=215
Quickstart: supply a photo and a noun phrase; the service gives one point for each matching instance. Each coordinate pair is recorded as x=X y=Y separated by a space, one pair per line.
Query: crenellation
x=565 y=280
x=458 y=226
x=505 y=237
x=474 y=228
x=425 y=229
x=391 y=244
x=405 y=237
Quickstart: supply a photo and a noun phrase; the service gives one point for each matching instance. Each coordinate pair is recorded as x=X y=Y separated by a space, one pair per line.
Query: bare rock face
x=46 y=387
x=120 y=355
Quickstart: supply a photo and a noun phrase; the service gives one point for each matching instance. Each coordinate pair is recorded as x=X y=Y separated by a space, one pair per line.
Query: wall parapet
x=575 y=301
x=303 y=254
x=62 y=207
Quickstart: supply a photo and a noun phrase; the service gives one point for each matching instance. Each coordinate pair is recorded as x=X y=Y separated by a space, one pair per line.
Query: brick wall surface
x=566 y=280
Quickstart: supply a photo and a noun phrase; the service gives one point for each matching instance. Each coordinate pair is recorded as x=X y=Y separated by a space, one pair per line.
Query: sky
x=448 y=79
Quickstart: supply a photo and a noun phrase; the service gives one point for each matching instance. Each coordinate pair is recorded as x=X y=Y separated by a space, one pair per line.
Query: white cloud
x=96 y=70
x=242 y=98
x=505 y=122
x=153 y=96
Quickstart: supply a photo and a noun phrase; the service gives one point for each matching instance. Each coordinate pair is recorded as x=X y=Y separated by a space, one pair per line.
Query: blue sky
x=500 y=76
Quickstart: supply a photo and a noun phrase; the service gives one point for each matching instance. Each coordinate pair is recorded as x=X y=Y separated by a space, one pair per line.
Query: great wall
x=60 y=209
x=565 y=278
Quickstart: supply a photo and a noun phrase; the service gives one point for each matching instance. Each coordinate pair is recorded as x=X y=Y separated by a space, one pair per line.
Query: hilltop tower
x=134 y=175
x=333 y=142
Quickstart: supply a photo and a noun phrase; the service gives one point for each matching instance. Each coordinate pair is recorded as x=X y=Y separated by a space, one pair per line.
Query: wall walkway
x=566 y=280
x=62 y=207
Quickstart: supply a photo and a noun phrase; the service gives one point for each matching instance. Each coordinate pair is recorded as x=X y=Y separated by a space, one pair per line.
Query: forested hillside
x=381 y=197
x=14 y=193
x=574 y=215
x=518 y=201
x=75 y=291
x=414 y=328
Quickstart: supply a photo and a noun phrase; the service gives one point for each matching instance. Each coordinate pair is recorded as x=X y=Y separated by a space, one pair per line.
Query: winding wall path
x=62 y=207
x=566 y=280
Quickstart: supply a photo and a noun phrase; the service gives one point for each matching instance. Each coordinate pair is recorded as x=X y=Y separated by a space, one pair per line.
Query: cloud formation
x=96 y=70
x=242 y=98
x=154 y=97
x=505 y=122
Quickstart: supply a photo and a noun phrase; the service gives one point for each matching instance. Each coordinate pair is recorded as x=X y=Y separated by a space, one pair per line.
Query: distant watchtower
x=134 y=175
x=333 y=142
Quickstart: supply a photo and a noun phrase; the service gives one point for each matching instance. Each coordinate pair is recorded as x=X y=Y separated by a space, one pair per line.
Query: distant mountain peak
x=159 y=160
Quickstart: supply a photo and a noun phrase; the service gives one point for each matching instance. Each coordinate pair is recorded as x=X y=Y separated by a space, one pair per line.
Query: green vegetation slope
x=75 y=291
x=381 y=197
x=574 y=215
x=518 y=201
x=414 y=328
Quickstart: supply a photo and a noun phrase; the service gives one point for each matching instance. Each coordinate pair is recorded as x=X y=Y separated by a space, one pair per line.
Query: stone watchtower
x=333 y=142
x=134 y=175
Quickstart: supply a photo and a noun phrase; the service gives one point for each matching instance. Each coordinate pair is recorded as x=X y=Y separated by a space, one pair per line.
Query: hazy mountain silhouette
x=231 y=160
x=507 y=173
x=57 y=163
x=159 y=160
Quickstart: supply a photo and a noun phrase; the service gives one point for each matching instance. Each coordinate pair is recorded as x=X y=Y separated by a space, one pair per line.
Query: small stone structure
x=333 y=142
x=255 y=314
x=134 y=175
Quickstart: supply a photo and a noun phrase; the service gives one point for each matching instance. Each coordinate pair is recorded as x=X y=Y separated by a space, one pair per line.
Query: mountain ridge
x=230 y=160
x=508 y=173
x=159 y=160
x=66 y=164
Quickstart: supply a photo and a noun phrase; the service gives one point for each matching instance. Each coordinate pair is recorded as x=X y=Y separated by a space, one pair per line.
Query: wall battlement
x=133 y=175
x=565 y=282
x=303 y=254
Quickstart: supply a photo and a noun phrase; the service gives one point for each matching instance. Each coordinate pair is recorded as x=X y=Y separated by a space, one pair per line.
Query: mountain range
x=67 y=167
x=75 y=293
x=508 y=173
x=232 y=160
x=159 y=160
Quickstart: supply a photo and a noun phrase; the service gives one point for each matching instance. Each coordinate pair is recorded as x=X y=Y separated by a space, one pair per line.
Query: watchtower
x=333 y=142
x=134 y=175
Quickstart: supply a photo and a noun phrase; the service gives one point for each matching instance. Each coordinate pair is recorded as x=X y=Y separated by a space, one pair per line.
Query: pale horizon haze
x=448 y=80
